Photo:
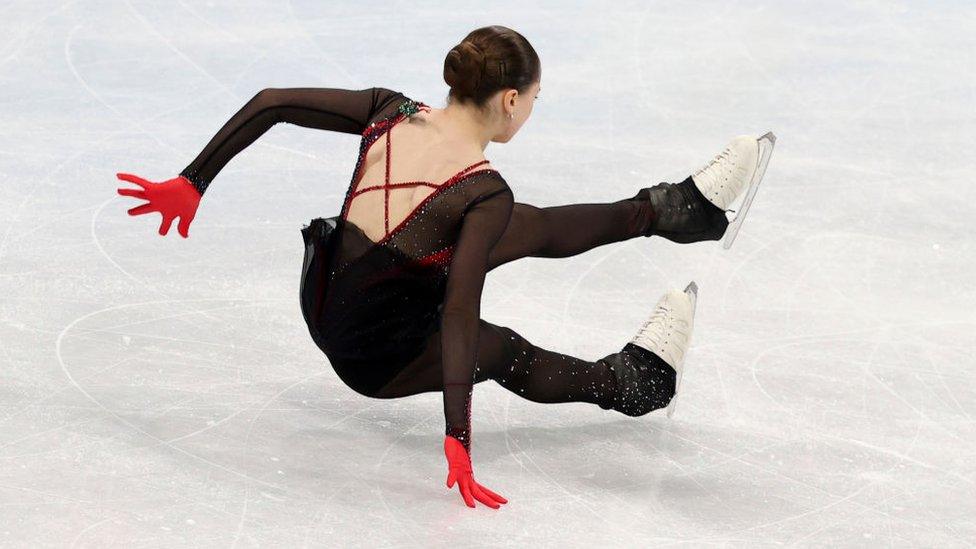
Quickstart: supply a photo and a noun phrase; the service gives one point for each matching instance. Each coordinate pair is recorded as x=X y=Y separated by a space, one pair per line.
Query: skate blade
x=692 y=291
x=766 y=143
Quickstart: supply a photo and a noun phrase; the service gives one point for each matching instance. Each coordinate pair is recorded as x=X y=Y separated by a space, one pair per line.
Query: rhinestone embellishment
x=408 y=107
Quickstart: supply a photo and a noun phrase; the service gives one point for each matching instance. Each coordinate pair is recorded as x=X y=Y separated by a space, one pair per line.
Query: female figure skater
x=392 y=292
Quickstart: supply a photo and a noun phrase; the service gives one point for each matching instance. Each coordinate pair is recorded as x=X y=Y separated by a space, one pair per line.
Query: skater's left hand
x=172 y=198
x=459 y=470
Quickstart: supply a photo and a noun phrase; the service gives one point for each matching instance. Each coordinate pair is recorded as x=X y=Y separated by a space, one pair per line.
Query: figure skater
x=391 y=287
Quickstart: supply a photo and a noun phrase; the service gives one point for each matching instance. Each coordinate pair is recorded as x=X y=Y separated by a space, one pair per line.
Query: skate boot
x=648 y=369
x=695 y=209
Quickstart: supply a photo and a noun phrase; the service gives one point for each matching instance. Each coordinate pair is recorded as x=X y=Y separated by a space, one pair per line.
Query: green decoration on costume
x=408 y=107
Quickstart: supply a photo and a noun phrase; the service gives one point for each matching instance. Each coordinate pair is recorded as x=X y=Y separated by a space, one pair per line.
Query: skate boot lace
x=717 y=178
x=662 y=333
x=652 y=330
x=718 y=158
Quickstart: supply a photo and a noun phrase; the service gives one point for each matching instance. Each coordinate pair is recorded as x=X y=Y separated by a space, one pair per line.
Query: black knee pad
x=645 y=382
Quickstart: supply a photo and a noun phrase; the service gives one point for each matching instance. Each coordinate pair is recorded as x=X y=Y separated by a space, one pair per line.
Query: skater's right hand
x=459 y=470
x=172 y=198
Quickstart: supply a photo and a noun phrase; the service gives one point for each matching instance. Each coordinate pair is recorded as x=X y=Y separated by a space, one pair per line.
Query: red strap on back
x=387 y=186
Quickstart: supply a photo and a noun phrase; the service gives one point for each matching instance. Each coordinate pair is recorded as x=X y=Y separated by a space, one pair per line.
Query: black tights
x=538 y=374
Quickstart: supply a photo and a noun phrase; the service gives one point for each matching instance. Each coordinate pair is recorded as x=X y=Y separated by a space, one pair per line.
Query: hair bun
x=488 y=60
x=464 y=67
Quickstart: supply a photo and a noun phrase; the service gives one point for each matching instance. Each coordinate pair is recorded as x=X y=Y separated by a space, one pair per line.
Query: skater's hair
x=490 y=59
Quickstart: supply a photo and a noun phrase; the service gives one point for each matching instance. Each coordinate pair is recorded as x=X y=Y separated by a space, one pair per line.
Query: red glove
x=459 y=469
x=173 y=198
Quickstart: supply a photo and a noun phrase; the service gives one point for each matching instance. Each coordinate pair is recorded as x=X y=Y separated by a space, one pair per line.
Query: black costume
x=401 y=316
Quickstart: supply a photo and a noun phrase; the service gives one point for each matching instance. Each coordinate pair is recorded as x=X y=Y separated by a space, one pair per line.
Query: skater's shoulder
x=492 y=184
x=492 y=194
x=485 y=179
x=494 y=178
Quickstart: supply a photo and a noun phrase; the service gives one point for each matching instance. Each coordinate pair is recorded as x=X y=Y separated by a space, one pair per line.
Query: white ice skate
x=667 y=333
x=734 y=174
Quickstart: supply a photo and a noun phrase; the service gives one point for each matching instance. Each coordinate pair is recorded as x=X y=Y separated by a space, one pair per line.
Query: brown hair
x=490 y=59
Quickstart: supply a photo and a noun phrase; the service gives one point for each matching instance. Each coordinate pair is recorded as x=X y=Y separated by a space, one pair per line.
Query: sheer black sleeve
x=484 y=220
x=335 y=109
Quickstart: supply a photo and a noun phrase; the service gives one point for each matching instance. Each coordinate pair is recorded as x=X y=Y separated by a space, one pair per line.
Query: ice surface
x=162 y=392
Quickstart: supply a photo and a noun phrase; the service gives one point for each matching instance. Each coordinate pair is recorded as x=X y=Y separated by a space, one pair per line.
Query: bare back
x=420 y=160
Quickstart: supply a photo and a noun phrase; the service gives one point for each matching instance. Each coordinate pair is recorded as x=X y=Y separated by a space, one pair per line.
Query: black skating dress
x=371 y=306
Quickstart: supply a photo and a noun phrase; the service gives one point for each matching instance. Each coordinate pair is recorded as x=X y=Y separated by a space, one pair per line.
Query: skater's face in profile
x=519 y=105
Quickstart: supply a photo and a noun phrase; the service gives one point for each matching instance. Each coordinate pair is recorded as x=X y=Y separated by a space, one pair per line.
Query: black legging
x=538 y=374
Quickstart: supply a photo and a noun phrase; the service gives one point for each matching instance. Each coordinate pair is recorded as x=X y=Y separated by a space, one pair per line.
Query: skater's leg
x=632 y=381
x=686 y=212
x=562 y=231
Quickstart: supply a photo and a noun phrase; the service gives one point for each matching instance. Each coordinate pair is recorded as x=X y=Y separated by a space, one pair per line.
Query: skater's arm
x=335 y=109
x=485 y=219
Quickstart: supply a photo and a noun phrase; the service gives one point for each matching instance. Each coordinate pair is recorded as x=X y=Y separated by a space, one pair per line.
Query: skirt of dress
x=374 y=316
x=319 y=236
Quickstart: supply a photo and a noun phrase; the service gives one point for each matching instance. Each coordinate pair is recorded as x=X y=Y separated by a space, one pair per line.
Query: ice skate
x=667 y=333
x=695 y=209
x=733 y=174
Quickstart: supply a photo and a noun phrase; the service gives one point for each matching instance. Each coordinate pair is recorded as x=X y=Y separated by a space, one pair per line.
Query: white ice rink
x=162 y=392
